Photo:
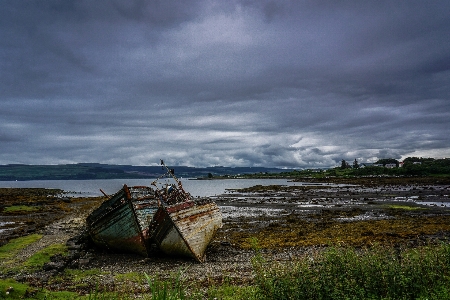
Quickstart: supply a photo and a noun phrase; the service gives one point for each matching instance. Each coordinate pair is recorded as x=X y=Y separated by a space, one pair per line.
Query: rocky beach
x=284 y=222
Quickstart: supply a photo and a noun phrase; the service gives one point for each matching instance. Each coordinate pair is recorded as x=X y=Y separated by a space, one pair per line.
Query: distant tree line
x=415 y=166
x=411 y=166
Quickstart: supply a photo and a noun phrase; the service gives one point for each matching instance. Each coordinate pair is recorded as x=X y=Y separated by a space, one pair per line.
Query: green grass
x=41 y=257
x=405 y=207
x=130 y=277
x=231 y=292
x=9 y=250
x=80 y=276
x=24 y=291
x=166 y=290
x=19 y=209
x=344 y=273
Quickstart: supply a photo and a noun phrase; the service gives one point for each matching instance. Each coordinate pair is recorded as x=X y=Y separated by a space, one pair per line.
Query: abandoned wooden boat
x=121 y=223
x=186 y=228
x=136 y=218
x=181 y=226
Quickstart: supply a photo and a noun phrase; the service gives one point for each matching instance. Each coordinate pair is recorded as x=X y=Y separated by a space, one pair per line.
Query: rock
x=58 y=266
x=73 y=246
x=82 y=262
x=73 y=254
x=56 y=258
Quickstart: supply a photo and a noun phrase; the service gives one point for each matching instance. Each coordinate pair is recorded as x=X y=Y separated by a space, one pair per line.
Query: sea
x=91 y=188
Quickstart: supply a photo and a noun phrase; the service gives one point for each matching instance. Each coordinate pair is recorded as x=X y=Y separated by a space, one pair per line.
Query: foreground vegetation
x=380 y=272
x=346 y=273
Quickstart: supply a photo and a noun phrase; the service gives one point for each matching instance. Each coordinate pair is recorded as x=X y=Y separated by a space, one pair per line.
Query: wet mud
x=348 y=212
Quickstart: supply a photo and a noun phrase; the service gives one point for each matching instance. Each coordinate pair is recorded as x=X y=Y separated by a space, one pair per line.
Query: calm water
x=88 y=188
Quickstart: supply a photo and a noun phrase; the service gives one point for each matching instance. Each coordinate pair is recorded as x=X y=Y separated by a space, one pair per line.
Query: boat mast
x=171 y=172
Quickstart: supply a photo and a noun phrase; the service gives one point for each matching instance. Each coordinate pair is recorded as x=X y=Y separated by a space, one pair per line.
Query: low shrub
x=346 y=273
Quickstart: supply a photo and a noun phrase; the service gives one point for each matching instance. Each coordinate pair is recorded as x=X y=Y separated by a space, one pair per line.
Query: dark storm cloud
x=271 y=83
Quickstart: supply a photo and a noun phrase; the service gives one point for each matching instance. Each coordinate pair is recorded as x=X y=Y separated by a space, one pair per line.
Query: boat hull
x=186 y=229
x=136 y=218
x=121 y=223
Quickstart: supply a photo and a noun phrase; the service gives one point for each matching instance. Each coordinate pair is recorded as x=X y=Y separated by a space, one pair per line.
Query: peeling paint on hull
x=121 y=223
x=186 y=229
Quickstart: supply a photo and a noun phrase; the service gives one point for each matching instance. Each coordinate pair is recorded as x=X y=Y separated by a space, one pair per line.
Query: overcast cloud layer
x=294 y=84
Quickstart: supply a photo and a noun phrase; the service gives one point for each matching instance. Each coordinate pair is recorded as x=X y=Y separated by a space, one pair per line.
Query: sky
x=289 y=84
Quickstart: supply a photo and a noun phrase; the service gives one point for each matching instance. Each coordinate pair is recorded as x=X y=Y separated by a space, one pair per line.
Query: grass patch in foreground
x=345 y=273
x=161 y=290
x=231 y=292
x=11 y=289
x=41 y=257
x=81 y=276
x=380 y=272
x=14 y=246
x=133 y=277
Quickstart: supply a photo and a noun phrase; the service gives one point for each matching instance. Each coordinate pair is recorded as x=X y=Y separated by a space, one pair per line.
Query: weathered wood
x=186 y=228
x=121 y=223
x=135 y=217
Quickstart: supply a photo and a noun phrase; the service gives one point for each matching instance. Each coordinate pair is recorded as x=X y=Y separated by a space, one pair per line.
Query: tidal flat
x=283 y=222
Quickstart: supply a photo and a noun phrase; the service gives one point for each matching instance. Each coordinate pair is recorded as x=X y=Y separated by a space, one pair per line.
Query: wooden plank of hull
x=106 y=207
x=187 y=228
x=145 y=216
x=121 y=222
x=119 y=230
x=145 y=204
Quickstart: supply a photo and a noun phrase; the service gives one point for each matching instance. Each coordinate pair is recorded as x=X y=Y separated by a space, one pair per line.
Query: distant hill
x=84 y=171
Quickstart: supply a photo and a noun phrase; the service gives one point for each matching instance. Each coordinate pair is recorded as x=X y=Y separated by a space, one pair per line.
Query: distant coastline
x=92 y=171
x=411 y=166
